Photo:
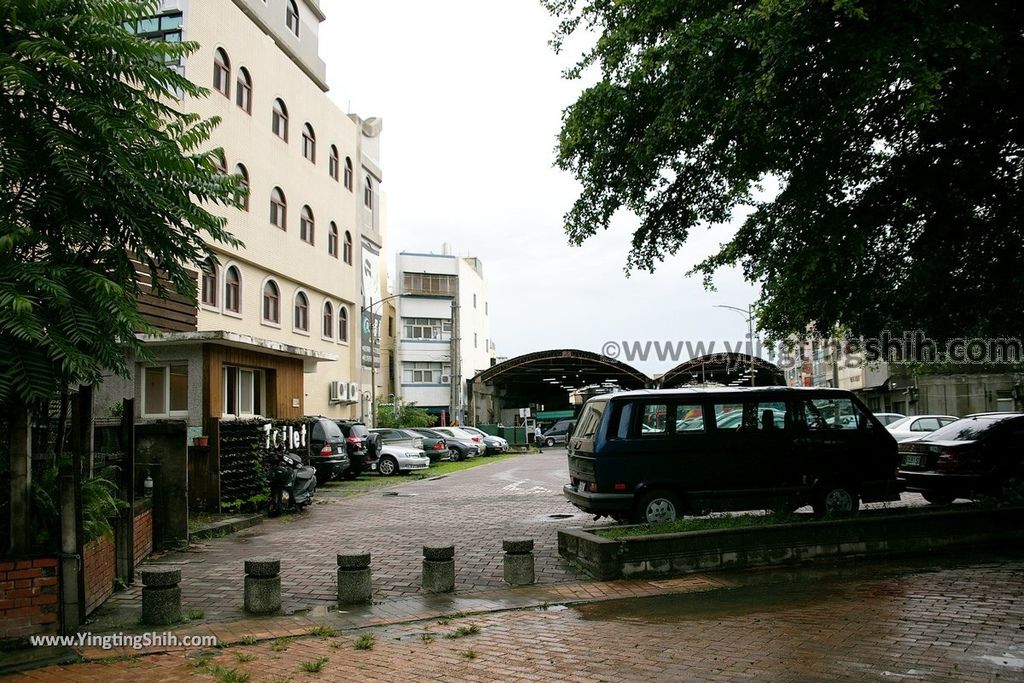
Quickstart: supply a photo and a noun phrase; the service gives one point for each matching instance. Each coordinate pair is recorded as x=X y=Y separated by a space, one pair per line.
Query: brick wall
x=143 y=536
x=100 y=569
x=29 y=597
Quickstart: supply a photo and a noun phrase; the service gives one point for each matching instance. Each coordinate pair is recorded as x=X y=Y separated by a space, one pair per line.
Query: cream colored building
x=277 y=332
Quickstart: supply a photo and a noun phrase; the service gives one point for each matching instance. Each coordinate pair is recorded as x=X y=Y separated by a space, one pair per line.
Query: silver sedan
x=395 y=459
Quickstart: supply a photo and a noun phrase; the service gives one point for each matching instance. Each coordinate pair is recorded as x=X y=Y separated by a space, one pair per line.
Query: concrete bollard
x=439 y=568
x=519 y=569
x=262 y=585
x=354 y=577
x=161 y=596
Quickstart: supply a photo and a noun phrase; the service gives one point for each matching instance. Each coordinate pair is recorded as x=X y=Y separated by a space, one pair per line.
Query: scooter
x=292 y=484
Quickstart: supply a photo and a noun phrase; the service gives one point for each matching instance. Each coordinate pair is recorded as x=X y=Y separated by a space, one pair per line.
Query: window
x=166 y=27
x=342 y=324
x=925 y=424
x=209 y=293
x=427 y=328
x=822 y=414
x=728 y=416
x=300 y=319
x=165 y=390
x=391 y=326
x=347 y=248
x=271 y=302
x=328 y=327
x=243 y=90
x=222 y=73
x=333 y=163
x=292 y=17
x=220 y=162
x=689 y=418
x=348 y=174
x=278 y=209
x=654 y=419
x=332 y=240
x=306 y=225
x=233 y=290
x=486 y=308
x=243 y=197
x=243 y=391
x=308 y=142
x=279 y=120
x=770 y=416
x=368 y=193
x=424 y=373
x=430 y=283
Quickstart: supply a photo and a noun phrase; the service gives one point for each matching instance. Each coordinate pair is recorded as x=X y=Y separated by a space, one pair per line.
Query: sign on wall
x=370 y=317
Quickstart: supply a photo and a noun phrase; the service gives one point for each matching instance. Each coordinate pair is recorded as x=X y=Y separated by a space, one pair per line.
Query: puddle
x=396 y=494
x=1007 y=660
x=561 y=516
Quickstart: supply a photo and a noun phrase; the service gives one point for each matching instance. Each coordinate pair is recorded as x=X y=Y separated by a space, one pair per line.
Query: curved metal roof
x=723 y=368
x=579 y=368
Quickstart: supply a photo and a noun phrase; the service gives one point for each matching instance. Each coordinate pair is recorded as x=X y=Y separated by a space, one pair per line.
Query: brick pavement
x=930 y=620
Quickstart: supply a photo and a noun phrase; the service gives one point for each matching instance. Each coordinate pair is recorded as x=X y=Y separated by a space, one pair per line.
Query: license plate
x=913 y=460
x=581 y=487
x=373 y=466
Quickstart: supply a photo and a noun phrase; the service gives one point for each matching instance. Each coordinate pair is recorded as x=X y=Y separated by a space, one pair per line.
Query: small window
x=233 y=290
x=301 y=315
x=771 y=416
x=279 y=120
x=242 y=389
x=342 y=324
x=654 y=419
x=292 y=17
x=222 y=73
x=306 y=225
x=308 y=142
x=243 y=197
x=278 y=209
x=348 y=174
x=728 y=416
x=333 y=163
x=271 y=302
x=925 y=424
x=165 y=390
x=328 y=327
x=347 y=248
x=243 y=90
x=689 y=418
x=209 y=293
x=368 y=193
x=332 y=240
x=822 y=414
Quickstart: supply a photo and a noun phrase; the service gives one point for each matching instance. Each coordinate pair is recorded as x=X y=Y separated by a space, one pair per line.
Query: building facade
x=277 y=330
x=444 y=331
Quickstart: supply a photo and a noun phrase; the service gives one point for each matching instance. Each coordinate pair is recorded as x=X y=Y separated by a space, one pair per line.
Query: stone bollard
x=161 y=596
x=262 y=585
x=354 y=577
x=518 y=561
x=439 y=568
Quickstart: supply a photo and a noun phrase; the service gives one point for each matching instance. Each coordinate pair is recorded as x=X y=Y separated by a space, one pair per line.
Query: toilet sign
x=287 y=436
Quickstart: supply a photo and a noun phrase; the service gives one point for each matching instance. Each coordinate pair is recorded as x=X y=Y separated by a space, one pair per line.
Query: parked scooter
x=292 y=483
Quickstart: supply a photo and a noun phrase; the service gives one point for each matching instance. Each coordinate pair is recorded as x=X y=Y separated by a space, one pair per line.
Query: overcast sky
x=471 y=97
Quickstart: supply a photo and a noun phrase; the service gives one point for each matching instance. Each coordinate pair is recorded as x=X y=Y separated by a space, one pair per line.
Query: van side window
x=728 y=416
x=771 y=416
x=654 y=419
x=828 y=413
x=690 y=418
x=625 y=420
x=590 y=420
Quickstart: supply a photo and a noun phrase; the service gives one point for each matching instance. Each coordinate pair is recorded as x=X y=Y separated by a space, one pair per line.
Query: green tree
x=890 y=130
x=100 y=170
x=397 y=415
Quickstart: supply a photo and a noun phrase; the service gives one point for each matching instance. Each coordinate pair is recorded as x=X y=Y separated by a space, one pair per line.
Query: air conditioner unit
x=337 y=390
x=353 y=392
x=446 y=379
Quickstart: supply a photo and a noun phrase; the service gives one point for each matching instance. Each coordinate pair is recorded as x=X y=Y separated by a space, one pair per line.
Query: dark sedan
x=972 y=457
x=435 y=444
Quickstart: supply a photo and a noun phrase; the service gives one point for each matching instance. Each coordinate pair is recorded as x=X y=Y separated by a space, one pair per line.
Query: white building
x=443 y=334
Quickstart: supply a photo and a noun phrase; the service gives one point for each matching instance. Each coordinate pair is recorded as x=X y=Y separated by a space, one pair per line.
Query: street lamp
x=748 y=313
x=373 y=347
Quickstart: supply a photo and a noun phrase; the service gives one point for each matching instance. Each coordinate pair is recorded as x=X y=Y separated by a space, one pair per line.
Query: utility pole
x=456 y=375
x=749 y=314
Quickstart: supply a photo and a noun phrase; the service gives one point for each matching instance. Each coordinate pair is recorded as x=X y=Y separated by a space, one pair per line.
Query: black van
x=651 y=456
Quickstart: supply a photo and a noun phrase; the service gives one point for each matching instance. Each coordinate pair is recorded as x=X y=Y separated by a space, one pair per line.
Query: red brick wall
x=29 y=597
x=99 y=569
x=143 y=536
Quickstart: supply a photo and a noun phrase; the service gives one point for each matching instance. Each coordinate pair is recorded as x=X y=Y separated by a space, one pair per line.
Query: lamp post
x=748 y=313
x=368 y=309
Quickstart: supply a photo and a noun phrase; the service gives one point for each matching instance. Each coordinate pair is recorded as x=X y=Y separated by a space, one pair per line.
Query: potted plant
x=200 y=441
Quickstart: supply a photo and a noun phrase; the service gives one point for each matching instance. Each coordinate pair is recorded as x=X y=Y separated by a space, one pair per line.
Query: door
x=834 y=440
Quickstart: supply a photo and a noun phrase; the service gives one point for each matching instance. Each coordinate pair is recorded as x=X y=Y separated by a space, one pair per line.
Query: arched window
x=342 y=324
x=306 y=225
x=221 y=162
x=222 y=73
x=301 y=317
x=271 y=302
x=292 y=17
x=243 y=90
x=332 y=163
x=308 y=142
x=233 y=290
x=328 y=320
x=209 y=268
x=346 y=248
x=279 y=121
x=332 y=240
x=243 y=197
x=278 y=209
x=348 y=173
x=368 y=193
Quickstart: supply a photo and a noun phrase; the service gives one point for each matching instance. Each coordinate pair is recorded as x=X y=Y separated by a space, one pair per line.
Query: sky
x=471 y=96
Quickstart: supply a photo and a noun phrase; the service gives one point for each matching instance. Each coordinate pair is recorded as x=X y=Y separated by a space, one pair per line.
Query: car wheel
x=657 y=506
x=388 y=466
x=835 y=499
x=549 y=442
x=460 y=455
x=938 y=497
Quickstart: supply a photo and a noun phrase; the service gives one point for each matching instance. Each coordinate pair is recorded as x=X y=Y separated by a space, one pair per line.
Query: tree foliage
x=398 y=415
x=892 y=130
x=100 y=169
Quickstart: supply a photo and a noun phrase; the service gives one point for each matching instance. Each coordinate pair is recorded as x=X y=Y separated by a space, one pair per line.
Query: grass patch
x=247 y=640
x=427 y=638
x=118 y=659
x=468 y=654
x=200 y=661
x=315 y=666
x=323 y=632
x=242 y=657
x=225 y=675
x=280 y=644
x=463 y=631
x=371 y=481
x=699 y=524
x=365 y=642
x=194 y=614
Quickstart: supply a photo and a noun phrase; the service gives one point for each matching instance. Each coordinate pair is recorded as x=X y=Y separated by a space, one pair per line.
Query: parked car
x=395 y=458
x=558 y=432
x=888 y=418
x=360 y=459
x=435 y=444
x=464 y=444
x=740 y=449
x=328 y=450
x=972 y=457
x=916 y=426
x=400 y=437
x=493 y=445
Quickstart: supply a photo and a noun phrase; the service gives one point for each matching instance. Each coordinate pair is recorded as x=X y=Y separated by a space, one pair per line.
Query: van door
x=834 y=440
x=753 y=446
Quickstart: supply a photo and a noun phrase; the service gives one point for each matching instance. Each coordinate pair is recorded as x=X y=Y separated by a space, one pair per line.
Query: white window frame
x=258 y=379
x=168 y=413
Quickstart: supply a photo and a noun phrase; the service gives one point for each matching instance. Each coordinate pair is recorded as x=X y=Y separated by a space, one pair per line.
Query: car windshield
x=358 y=430
x=968 y=429
x=332 y=432
x=460 y=434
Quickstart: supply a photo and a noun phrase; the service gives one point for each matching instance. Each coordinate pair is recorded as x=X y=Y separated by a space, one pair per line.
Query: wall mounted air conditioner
x=337 y=392
x=446 y=379
x=353 y=392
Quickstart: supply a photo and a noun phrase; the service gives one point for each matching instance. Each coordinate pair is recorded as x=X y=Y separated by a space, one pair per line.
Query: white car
x=492 y=443
x=395 y=459
x=914 y=427
x=888 y=418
